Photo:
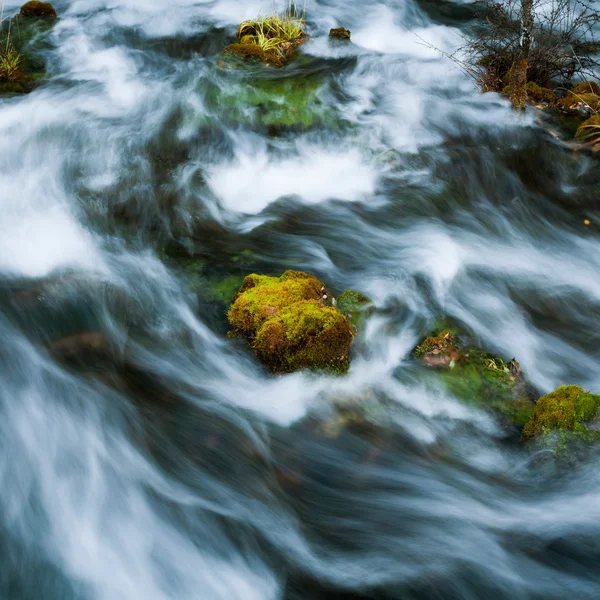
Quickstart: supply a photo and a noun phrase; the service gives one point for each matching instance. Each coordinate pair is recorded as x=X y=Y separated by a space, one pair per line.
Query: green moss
x=224 y=290
x=12 y=87
x=38 y=9
x=538 y=93
x=517 y=411
x=566 y=409
x=340 y=33
x=354 y=306
x=289 y=325
x=587 y=87
x=274 y=103
x=477 y=377
x=573 y=101
x=534 y=92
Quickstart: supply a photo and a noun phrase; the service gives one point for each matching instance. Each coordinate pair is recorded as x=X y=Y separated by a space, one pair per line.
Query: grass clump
x=589 y=132
x=271 y=39
x=289 y=325
x=10 y=61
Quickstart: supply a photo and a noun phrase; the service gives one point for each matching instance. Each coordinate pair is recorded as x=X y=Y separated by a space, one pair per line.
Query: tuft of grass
x=589 y=131
x=10 y=60
x=271 y=32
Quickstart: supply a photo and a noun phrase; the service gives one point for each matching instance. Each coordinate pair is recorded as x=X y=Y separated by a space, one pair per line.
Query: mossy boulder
x=289 y=323
x=38 y=9
x=565 y=422
x=565 y=409
x=340 y=33
x=476 y=376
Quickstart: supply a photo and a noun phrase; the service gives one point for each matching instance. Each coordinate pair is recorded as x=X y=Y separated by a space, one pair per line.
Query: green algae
x=282 y=103
x=355 y=306
x=477 y=377
x=289 y=324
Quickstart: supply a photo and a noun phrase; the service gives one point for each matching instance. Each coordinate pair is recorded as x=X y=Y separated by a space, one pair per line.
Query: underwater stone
x=289 y=324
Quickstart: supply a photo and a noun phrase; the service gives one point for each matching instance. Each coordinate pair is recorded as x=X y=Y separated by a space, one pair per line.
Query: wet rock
x=290 y=324
x=355 y=307
x=340 y=33
x=565 y=421
x=38 y=9
x=477 y=376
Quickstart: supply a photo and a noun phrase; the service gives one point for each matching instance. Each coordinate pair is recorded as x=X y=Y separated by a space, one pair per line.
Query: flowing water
x=144 y=454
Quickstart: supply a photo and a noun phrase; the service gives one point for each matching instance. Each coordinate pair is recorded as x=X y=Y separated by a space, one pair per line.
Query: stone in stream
x=565 y=421
x=478 y=377
x=38 y=9
x=340 y=33
x=276 y=104
x=272 y=40
x=290 y=323
x=22 y=46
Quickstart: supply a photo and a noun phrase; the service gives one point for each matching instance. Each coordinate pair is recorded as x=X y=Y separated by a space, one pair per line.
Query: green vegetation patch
x=272 y=39
x=282 y=103
x=289 y=324
x=566 y=409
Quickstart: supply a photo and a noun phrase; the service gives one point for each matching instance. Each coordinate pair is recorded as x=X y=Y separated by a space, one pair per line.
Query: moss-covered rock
x=566 y=409
x=579 y=103
x=38 y=9
x=276 y=104
x=478 y=377
x=340 y=33
x=563 y=422
x=587 y=87
x=26 y=39
x=289 y=324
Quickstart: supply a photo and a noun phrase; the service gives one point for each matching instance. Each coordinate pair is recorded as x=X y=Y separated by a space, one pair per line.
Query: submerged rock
x=289 y=323
x=340 y=33
x=565 y=421
x=38 y=9
x=354 y=306
x=476 y=376
x=277 y=104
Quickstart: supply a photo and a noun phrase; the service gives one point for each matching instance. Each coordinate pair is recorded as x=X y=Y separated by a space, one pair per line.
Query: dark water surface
x=146 y=455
